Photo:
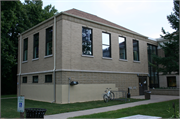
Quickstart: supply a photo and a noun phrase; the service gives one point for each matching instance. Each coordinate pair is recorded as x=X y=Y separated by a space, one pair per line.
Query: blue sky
x=146 y=17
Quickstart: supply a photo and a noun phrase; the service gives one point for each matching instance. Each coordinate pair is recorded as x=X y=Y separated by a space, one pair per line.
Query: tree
x=16 y=18
x=170 y=63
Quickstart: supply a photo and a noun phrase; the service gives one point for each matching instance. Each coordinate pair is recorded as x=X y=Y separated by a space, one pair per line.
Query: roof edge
x=79 y=18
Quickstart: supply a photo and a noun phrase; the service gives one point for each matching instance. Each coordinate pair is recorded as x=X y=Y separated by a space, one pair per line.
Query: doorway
x=142 y=84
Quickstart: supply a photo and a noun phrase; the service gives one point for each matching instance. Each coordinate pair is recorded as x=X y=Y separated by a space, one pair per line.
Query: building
x=169 y=80
x=78 y=46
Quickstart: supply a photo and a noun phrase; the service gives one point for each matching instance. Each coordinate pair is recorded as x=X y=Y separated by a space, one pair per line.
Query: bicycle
x=108 y=96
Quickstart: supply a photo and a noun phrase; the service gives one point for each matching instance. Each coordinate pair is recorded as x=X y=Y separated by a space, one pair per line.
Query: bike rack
x=120 y=95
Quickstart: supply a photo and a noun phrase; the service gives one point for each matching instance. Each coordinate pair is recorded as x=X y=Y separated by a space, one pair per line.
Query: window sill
x=35 y=59
x=24 y=62
x=107 y=58
x=136 y=61
x=124 y=60
x=90 y=56
x=48 y=56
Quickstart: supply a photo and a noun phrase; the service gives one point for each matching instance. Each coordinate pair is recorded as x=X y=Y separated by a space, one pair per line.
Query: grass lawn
x=7 y=96
x=154 y=109
x=9 y=106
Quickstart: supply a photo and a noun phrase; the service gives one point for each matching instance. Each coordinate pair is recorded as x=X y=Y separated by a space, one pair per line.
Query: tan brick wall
x=121 y=81
x=42 y=64
x=72 y=51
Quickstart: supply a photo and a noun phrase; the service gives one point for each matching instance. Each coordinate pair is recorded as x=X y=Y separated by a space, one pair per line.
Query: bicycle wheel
x=111 y=95
x=105 y=97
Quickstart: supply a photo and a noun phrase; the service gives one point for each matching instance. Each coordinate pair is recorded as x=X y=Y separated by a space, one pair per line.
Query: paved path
x=154 y=99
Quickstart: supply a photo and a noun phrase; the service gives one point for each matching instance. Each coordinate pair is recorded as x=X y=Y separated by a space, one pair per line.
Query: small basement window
x=171 y=81
x=48 y=78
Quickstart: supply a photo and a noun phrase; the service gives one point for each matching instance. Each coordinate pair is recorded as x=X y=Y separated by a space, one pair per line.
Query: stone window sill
x=48 y=56
x=35 y=59
x=90 y=56
x=107 y=58
x=24 y=62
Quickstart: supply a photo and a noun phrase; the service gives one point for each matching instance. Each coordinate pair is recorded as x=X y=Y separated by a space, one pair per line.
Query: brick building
x=85 y=48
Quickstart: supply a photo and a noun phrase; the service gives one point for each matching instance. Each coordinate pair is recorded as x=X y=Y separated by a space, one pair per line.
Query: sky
x=146 y=17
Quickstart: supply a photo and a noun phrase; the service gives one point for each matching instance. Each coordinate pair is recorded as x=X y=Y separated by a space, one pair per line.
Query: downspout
x=54 y=70
x=20 y=65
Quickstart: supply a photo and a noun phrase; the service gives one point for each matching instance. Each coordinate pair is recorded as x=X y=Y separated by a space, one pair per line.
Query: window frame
x=106 y=44
x=23 y=79
x=35 y=46
x=34 y=81
x=137 y=50
x=91 y=41
x=25 y=49
x=46 y=78
x=47 y=41
x=125 y=48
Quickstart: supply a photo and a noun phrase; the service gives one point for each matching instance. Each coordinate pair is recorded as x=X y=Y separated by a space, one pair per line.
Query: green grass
x=154 y=109
x=9 y=106
x=7 y=96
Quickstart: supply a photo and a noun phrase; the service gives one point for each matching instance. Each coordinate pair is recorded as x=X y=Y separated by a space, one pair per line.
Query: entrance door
x=142 y=84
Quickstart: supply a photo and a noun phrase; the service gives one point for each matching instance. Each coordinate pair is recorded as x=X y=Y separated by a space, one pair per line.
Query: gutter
x=54 y=70
x=20 y=65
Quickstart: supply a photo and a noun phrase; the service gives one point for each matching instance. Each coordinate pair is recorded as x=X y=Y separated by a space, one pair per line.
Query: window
x=25 y=53
x=106 y=45
x=36 y=46
x=35 y=79
x=171 y=81
x=153 y=73
x=49 y=41
x=136 y=50
x=48 y=78
x=87 y=41
x=24 y=79
x=122 y=48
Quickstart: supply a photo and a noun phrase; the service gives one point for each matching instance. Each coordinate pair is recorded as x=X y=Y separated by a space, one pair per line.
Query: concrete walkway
x=154 y=99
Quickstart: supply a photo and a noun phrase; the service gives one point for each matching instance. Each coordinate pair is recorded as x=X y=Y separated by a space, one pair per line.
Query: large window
x=36 y=46
x=153 y=74
x=136 y=50
x=106 y=45
x=25 y=53
x=171 y=81
x=48 y=78
x=87 y=41
x=35 y=79
x=122 y=48
x=24 y=80
x=49 y=41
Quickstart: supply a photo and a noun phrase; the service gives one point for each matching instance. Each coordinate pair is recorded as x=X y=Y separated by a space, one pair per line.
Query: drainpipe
x=54 y=70
x=20 y=65
x=69 y=89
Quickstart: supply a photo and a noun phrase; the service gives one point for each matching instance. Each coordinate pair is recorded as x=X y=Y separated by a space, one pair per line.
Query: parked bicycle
x=109 y=95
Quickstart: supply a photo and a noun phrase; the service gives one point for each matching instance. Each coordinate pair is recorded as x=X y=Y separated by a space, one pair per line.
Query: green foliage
x=170 y=63
x=174 y=110
x=16 y=18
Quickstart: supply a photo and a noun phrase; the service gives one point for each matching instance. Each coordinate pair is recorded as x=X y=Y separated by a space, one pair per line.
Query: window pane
x=122 y=48
x=105 y=39
x=36 y=45
x=35 y=79
x=106 y=51
x=135 y=50
x=49 y=48
x=49 y=41
x=24 y=79
x=86 y=41
x=48 y=78
x=25 y=49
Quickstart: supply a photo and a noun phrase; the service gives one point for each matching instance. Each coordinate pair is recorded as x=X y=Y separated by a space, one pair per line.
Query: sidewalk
x=154 y=99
